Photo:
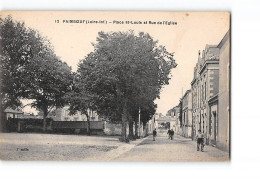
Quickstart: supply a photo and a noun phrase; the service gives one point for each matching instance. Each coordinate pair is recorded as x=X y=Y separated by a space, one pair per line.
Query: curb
x=113 y=154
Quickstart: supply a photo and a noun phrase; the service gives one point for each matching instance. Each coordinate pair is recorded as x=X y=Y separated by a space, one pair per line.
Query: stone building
x=204 y=87
x=6 y=115
x=174 y=114
x=223 y=135
x=210 y=97
x=63 y=114
x=187 y=114
x=12 y=113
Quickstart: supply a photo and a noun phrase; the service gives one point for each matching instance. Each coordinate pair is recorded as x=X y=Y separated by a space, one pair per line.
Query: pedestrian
x=154 y=134
x=172 y=134
x=169 y=133
x=200 y=141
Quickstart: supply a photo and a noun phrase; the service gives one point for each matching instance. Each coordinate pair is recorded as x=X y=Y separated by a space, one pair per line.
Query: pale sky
x=193 y=31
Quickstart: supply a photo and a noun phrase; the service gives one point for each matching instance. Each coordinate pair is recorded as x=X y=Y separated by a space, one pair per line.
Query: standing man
x=200 y=141
x=154 y=134
x=172 y=134
x=169 y=133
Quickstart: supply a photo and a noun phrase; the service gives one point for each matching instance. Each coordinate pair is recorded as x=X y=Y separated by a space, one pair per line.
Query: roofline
x=186 y=93
x=224 y=39
x=216 y=61
x=193 y=81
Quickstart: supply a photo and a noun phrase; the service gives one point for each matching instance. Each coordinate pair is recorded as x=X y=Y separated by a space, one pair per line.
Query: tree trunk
x=88 y=126
x=45 y=113
x=139 y=123
x=144 y=129
x=136 y=128
x=131 y=127
x=2 y=115
x=124 y=124
x=3 y=119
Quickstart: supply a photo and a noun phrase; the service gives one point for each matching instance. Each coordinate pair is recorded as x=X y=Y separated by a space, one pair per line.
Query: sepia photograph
x=115 y=86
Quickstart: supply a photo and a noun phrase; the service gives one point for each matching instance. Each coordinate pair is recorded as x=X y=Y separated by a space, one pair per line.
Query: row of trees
x=120 y=77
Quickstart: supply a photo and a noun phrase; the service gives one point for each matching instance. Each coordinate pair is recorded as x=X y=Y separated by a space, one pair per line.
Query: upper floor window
x=202 y=92
x=205 y=91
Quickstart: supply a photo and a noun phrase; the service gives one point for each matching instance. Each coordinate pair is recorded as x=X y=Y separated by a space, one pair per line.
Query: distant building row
x=205 y=106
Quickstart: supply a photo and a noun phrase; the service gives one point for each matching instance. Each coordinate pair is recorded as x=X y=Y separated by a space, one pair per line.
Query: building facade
x=176 y=118
x=12 y=113
x=6 y=115
x=187 y=114
x=63 y=114
x=223 y=135
x=210 y=97
x=204 y=87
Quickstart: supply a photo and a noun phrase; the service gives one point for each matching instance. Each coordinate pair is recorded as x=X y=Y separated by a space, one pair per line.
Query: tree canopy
x=123 y=71
x=30 y=69
x=15 y=51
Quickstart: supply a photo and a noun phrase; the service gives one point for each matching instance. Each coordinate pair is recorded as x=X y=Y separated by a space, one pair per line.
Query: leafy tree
x=15 y=46
x=125 y=69
x=80 y=100
x=50 y=79
x=30 y=69
x=15 y=52
x=147 y=110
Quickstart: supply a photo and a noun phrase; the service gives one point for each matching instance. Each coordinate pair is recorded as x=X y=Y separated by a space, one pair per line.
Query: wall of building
x=213 y=81
x=204 y=86
x=224 y=94
x=12 y=115
x=186 y=130
x=213 y=123
x=63 y=114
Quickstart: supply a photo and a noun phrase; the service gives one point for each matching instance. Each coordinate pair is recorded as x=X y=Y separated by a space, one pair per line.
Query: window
x=197 y=93
x=202 y=91
x=205 y=90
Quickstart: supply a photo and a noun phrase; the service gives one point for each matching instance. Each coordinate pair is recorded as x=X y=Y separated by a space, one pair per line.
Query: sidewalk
x=208 y=149
x=116 y=153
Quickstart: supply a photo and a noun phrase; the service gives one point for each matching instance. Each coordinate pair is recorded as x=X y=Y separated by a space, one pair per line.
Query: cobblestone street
x=27 y=147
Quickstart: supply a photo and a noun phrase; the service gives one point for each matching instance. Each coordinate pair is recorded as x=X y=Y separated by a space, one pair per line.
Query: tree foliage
x=30 y=68
x=125 y=71
x=15 y=53
x=79 y=99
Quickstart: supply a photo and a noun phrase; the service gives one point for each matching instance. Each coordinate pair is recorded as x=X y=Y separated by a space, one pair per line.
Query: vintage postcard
x=115 y=86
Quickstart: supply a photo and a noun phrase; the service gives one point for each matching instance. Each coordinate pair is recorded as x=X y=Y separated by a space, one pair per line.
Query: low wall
x=113 y=128
x=95 y=125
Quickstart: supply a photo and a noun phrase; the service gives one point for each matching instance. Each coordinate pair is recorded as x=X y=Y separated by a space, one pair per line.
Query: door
x=215 y=126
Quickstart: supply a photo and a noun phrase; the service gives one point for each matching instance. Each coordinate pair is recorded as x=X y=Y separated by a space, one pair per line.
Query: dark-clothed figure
x=169 y=133
x=200 y=141
x=172 y=134
x=154 y=134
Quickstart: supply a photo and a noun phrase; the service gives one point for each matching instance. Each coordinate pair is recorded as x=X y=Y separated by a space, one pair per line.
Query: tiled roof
x=9 y=110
